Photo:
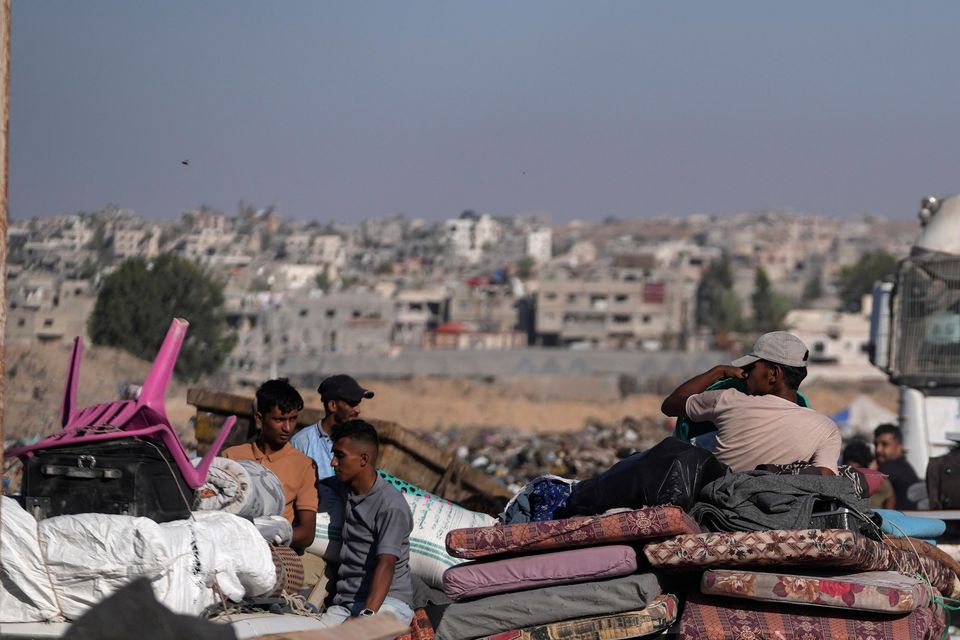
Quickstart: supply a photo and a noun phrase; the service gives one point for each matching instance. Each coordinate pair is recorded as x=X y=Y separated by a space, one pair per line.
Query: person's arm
x=305 y=505
x=675 y=404
x=380 y=581
x=305 y=531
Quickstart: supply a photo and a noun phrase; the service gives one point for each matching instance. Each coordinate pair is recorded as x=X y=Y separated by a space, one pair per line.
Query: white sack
x=433 y=518
x=92 y=555
x=25 y=593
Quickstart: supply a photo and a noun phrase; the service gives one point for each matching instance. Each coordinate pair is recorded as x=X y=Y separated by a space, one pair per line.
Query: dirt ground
x=35 y=379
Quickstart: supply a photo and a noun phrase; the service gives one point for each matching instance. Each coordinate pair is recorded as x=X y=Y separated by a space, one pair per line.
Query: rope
x=46 y=568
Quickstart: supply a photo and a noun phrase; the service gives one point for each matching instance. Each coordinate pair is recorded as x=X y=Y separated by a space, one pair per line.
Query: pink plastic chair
x=145 y=417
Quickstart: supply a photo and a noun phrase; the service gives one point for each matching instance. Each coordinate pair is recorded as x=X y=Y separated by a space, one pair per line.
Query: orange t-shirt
x=297 y=474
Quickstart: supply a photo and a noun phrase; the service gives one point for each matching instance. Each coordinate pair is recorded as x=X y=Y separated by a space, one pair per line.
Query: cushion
x=881 y=591
x=709 y=617
x=540 y=570
x=823 y=548
x=874 y=479
x=581 y=531
x=501 y=612
x=659 y=615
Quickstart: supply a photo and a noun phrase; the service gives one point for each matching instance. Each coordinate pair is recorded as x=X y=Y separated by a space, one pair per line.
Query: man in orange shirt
x=277 y=406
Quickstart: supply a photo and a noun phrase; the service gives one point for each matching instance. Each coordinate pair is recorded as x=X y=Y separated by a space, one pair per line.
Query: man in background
x=888 y=443
x=341 y=396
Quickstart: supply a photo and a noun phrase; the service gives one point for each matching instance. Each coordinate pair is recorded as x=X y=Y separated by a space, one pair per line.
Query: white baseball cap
x=780 y=347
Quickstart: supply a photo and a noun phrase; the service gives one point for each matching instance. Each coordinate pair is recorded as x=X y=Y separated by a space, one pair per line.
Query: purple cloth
x=541 y=570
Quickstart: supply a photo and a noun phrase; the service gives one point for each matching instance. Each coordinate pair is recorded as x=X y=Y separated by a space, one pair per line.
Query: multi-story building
x=469 y=235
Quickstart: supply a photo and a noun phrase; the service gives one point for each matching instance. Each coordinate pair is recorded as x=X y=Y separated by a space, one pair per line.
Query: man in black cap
x=341 y=396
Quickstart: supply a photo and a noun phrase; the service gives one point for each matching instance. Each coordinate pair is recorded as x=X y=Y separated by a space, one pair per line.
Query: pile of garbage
x=515 y=458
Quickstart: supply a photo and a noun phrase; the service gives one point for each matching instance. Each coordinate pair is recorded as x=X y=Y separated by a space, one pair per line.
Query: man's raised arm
x=675 y=403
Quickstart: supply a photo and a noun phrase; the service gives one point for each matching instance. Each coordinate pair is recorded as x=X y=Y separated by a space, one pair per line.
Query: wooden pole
x=4 y=174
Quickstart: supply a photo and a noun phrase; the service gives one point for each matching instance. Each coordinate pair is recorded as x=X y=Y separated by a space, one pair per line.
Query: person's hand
x=727 y=371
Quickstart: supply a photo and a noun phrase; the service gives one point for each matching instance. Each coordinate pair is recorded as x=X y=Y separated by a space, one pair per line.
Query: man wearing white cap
x=765 y=425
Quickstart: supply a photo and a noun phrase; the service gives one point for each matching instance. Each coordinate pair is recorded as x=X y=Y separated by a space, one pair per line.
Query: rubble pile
x=515 y=457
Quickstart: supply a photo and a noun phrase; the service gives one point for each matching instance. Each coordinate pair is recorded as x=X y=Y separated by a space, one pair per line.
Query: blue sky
x=339 y=111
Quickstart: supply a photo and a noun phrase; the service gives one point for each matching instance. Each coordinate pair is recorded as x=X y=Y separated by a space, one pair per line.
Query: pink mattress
x=540 y=570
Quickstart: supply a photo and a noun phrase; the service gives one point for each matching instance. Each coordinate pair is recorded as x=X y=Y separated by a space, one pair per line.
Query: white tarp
x=70 y=563
x=861 y=417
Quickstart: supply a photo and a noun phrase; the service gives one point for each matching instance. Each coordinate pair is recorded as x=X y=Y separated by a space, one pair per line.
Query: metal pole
x=4 y=173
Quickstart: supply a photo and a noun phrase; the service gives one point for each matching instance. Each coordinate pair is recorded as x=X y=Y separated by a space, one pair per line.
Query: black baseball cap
x=343 y=387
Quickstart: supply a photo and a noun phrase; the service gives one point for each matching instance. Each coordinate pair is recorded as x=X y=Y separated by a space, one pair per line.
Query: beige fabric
x=755 y=430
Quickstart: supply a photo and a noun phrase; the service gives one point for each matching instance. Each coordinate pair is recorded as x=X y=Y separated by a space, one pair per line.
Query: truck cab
x=915 y=333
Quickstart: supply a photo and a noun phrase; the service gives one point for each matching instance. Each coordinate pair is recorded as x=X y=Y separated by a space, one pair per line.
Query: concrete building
x=417 y=311
x=485 y=307
x=468 y=236
x=540 y=244
x=273 y=328
x=632 y=307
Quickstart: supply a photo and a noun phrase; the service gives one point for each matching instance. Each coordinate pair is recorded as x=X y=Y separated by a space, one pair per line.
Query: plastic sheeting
x=673 y=472
x=70 y=563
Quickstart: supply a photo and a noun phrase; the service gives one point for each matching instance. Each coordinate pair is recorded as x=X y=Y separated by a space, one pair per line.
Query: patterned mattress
x=822 y=548
x=625 y=526
x=879 y=591
x=660 y=614
x=711 y=618
x=420 y=627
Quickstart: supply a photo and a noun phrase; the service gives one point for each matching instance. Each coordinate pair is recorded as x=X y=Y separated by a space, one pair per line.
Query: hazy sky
x=349 y=110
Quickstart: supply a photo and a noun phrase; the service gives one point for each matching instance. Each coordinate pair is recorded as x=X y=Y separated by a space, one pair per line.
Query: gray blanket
x=759 y=500
x=508 y=611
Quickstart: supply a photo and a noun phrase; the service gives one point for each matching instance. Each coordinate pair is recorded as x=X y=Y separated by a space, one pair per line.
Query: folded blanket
x=508 y=611
x=712 y=618
x=899 y=525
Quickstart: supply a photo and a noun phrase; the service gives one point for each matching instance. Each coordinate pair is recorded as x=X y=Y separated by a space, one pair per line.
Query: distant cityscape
x=297 y=291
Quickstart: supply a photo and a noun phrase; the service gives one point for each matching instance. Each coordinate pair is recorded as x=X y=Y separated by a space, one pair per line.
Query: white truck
x=915 y=333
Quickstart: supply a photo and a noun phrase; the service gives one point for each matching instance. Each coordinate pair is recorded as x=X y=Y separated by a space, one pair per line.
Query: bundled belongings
x=242 y=487
x=651 y=620
x=901 y=525
x=825 y=548
x=60 y=567
x=547 y=605
x=672 y=472
x=539 y=500
x=625 y=526
x=712 y=618
x=759 y=500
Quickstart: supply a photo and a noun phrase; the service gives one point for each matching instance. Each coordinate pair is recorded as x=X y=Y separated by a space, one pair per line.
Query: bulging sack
x=433 y=518
x=672 y=472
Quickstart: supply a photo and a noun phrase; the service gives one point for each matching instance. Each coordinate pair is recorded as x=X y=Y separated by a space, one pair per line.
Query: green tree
x=769 y=307
x=322 y=281
x=813 y=289
x=137 y=302
x=853 y=282
x=718 y=307
x=525 y=267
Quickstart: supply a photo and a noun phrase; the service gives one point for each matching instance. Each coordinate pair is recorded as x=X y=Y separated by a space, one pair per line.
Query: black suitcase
x=127 y=476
